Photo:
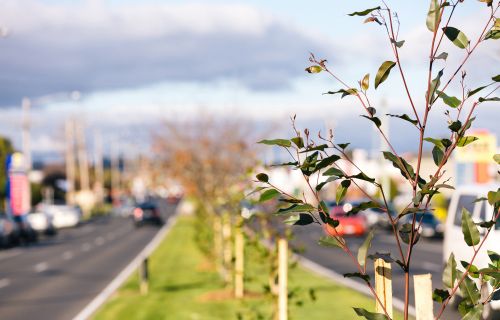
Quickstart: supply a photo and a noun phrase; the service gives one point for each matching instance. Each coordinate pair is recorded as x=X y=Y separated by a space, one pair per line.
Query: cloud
x=94 y=46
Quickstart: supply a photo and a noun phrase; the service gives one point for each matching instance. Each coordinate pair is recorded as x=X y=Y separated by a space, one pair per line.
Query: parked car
x=9 y=235
x=430 y=226
x=348 y=225
x=146 y=212
x=465 y=197
x=63 y=216
x=42 y=223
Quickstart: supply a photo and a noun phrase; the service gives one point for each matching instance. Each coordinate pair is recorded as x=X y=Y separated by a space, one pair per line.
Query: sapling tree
x=318 y=158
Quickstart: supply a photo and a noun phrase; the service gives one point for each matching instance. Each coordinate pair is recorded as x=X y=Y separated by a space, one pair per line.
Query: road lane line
x=4 y=283
x=67 y=255
x=41 y=267
x=86 y=247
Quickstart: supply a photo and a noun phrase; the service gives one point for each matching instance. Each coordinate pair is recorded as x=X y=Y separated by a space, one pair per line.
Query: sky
x=139 y=62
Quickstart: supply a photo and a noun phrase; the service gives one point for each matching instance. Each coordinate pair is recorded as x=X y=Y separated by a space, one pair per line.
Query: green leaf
x=348 y=92
x=405 y=165
x=405 y=233
x=298 y=141
x=496 y=78
x=365 y=82
x=473 y=270
x=342 y=190
x=362 y=176
x=404 y=117
x=300 y=219
x=449 y=100
x=321 y=147
x=398 y=44
x=435 y=84
x=268 y=195
x=369 y=315
x=383 y=72
x=494 y=32
x=363 y=250
x=364 y=277
x=363 y=206
x=489 y=99
x=364 y=12
x=475 y=313
x=469 y=229
x=343 y=145
x=262 y=177
x=455 y=126
x=293 y=163
x=375 y=120
x=493 y=197
x=440 y=295
x=456 y=36
x=333 y=172
x=326 y=162
x=442 y=55
x=322 y=184
x=277 y=142
x=496 y=158
x=433 y=16
x=437 y=155
x=258 y=189
x=463 y=141
x=469 y=290
x=330 y=242
x=314 y=69
x=436 y=142
x=296 y=208
x=473 y=92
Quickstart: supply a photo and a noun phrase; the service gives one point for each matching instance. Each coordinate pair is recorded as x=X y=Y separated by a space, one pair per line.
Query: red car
x=354 y=225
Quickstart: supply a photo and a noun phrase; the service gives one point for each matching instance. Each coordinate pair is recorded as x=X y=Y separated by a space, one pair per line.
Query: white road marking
x=4 y=283
x=67 y=255
x=86 y=246
x=99 y=241
x=41 y=267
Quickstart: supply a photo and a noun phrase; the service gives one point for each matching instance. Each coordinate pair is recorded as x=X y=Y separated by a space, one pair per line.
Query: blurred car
x=63 y=216
x=9 y=234
x=465 y=197
x=430 y=226
x=125 y=209
x=42 y=222
x=376 y=217
x=146 y=213
x=354 y=225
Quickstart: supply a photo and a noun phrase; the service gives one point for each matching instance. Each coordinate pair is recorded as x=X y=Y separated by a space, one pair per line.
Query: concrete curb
x=99 y=300
x=325 y=272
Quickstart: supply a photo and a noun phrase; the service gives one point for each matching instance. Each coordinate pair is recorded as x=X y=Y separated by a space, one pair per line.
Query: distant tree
x=5 y=149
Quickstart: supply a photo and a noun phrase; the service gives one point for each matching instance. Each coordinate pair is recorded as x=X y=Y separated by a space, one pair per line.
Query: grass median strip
x=185 y=285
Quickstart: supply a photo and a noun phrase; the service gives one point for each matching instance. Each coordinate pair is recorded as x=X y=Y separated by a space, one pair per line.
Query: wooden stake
x=226 y=245
x=144 y=277
x=423 y=296
x=282 y=279
x=239 y=255
x=383 y=286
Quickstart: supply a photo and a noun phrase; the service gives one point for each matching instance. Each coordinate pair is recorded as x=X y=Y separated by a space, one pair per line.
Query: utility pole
x=70 y=162
x=26 y=140
x=82 y=158
x=115 y=171
x=98 y=167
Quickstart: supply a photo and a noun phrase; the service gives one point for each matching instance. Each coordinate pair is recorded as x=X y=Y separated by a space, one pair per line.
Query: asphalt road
x=426 y=258
x=59 y=276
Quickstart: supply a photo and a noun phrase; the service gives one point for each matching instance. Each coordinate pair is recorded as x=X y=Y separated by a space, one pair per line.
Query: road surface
x=59 y=276
x=426 y=258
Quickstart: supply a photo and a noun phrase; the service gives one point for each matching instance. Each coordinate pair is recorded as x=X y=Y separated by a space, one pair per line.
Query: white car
x=465 y=197
x=63 y=216
x=41 y=222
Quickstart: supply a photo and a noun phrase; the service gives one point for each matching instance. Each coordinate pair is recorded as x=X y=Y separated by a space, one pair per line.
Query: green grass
x=184 y=285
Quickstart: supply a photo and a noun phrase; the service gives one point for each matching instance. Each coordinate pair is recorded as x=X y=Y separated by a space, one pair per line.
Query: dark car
x=430 y=227
x=9 y=234
x=146 y=213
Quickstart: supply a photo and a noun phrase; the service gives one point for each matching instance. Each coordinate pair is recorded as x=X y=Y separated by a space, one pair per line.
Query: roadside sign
x=18 y=193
